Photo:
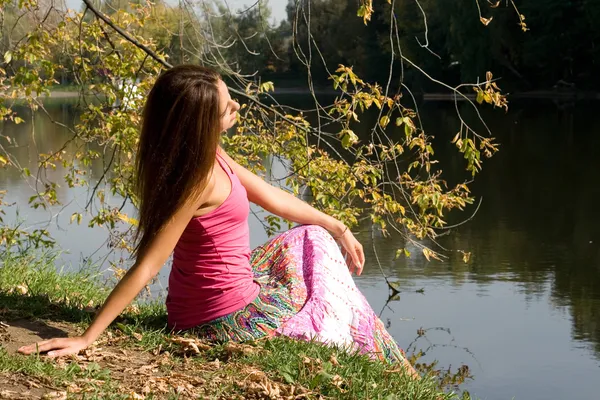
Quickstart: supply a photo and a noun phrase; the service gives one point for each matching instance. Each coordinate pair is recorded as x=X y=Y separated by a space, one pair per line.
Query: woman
x=194 y=202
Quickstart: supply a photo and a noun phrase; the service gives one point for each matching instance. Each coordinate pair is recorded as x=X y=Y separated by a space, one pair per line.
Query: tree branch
x=121 y=32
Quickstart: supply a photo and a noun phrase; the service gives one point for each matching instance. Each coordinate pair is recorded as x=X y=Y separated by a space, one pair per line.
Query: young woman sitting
x=194 y=203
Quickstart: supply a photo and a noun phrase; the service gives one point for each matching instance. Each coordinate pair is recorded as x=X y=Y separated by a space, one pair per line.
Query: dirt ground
x=134 y=373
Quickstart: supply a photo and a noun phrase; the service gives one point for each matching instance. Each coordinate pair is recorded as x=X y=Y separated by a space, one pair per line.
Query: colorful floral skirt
x=306 y=293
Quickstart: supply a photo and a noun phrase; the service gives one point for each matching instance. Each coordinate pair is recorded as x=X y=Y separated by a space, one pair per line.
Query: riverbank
x=136 y=358
x=557 y=95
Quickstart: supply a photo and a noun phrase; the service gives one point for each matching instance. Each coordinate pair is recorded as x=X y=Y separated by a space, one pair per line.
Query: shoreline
x=428 y=96
x=546 y=94
x=138 y=358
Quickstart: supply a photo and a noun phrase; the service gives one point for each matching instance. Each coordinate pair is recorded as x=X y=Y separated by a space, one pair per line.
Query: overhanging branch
x=121 y=32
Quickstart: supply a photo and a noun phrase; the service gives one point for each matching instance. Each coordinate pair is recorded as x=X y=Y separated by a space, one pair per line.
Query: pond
x=523 y=314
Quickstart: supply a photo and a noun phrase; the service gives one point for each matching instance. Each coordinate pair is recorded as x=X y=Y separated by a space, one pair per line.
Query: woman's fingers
x=357 y=266
x=62 y=352
x=42 y=346
x=32 y=348
x=347 y=259
x=57 y=347
x=361 y=258
x=353 y=253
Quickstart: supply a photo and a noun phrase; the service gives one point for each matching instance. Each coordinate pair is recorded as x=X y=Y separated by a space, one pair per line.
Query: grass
x=138 y=342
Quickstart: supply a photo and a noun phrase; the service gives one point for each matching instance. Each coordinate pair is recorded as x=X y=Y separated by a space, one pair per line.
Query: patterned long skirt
x=306 y=293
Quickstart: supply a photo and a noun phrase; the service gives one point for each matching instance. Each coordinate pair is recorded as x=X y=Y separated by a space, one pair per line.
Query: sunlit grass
x=31 y=287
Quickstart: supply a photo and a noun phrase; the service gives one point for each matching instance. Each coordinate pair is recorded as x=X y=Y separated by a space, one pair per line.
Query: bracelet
x=343 y=233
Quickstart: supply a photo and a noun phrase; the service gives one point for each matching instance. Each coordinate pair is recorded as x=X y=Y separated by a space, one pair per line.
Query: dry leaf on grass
x=259 y=385
x=190 y=345
x=57 y=395
x=334 y=361
x=239 y=348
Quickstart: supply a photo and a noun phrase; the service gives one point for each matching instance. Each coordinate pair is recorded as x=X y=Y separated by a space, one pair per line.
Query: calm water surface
x=523 y=314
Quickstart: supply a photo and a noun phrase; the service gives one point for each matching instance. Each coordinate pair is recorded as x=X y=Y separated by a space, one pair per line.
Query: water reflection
x=538 y=223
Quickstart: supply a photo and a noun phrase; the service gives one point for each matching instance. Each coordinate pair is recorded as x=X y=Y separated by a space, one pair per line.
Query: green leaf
x=288 y=378
x=479 y=96
x=346 y=141
x=394 y=285
x=7 y=57
x=348 y=138
x=362 y=10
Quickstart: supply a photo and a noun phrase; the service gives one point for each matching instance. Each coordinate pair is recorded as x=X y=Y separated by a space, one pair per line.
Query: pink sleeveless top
x=211 y=274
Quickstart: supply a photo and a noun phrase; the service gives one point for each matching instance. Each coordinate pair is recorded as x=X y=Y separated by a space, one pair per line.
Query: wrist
x=89 y=338
x=339 y=231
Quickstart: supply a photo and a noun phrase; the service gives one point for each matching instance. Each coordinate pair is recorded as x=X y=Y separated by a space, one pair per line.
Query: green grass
x=31 y=287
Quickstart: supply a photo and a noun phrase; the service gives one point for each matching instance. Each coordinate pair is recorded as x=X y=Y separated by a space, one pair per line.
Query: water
x=523 y=314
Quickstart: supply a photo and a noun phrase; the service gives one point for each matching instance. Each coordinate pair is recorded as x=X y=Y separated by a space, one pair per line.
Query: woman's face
x=227 y=107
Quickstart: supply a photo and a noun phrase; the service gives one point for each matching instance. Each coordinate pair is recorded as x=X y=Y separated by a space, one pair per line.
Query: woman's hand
x=57 y=347
x=352 y=251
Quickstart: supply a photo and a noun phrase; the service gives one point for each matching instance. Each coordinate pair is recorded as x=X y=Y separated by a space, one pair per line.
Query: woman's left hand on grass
x=56 y=347
x=352 y=251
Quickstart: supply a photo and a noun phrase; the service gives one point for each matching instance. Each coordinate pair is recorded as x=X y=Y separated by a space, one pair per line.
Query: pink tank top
x=211 y=274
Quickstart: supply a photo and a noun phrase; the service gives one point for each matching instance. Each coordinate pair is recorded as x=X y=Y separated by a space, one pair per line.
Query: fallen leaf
x=22 y=289
x=486 y=21
x=333 y=359
x=32 y=384
x=73 y=388
x=55 y=395
x=190 y=345
x=239 y=348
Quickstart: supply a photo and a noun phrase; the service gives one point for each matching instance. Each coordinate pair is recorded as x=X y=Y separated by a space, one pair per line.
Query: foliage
x=388 y=175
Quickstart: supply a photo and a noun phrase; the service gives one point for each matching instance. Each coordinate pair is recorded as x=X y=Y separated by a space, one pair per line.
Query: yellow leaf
x=22 y=289
x=384 y=121
x=466 y=256
x=127 y=219
x=427 y=253
x=494 y=5
x=486 y=21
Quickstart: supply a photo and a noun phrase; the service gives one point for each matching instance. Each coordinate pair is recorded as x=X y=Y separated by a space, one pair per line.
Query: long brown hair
x=178 y=145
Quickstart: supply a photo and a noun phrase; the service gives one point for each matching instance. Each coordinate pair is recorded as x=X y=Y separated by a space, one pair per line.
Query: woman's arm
x=282 y=203
x=132 y=283
x=285 y=205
